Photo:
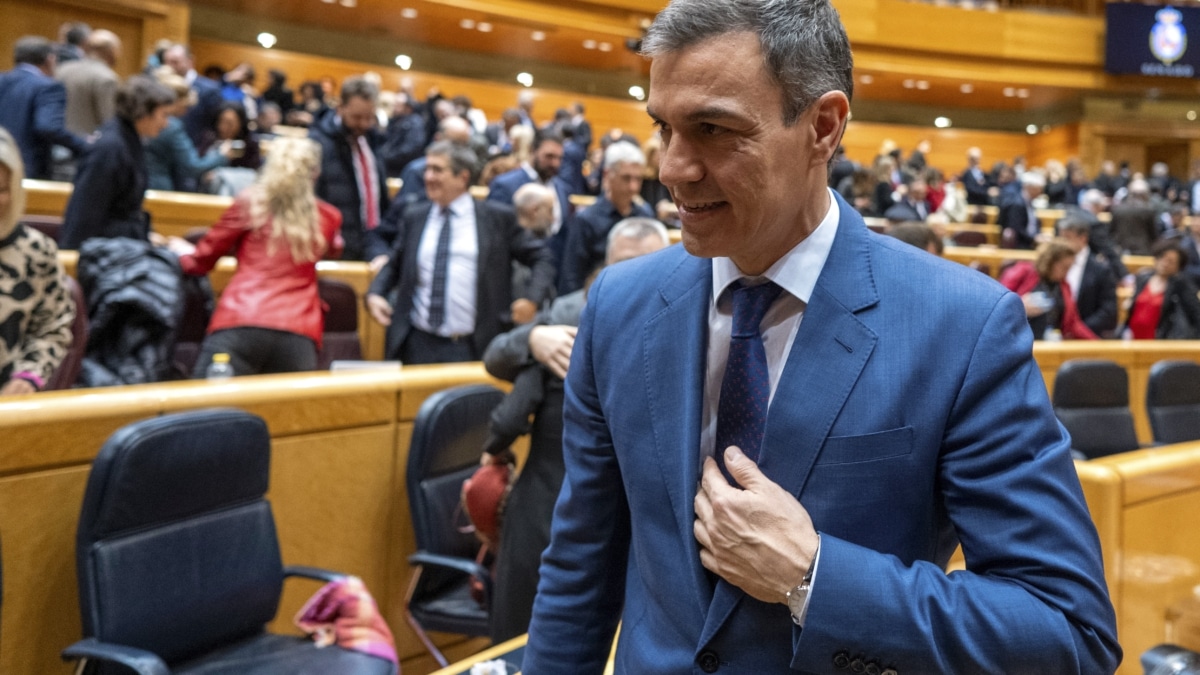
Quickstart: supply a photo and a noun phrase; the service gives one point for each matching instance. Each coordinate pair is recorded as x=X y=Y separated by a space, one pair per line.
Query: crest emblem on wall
x=1168 y=37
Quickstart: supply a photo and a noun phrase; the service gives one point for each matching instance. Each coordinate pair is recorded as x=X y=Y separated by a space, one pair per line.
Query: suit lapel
x=830 y=351
x=675 y=391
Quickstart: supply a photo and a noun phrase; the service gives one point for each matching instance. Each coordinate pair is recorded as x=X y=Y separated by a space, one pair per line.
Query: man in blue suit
x=906 y=414
x=201 y=117
x=33 y=106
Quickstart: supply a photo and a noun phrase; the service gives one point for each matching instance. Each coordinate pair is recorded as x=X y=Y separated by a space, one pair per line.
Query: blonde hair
x=521 y=138
x=283 y=197
x=10 y=158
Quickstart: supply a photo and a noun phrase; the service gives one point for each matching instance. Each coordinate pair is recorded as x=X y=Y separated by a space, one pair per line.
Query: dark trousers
x=421 y=347
x=258 y=351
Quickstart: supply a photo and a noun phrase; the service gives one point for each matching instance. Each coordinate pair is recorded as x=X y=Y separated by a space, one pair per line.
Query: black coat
x=1097 y=299
x=134 y=302
x=110 y=186
x=337 y=183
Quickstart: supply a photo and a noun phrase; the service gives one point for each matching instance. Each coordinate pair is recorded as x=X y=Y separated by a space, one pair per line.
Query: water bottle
x=220 y=368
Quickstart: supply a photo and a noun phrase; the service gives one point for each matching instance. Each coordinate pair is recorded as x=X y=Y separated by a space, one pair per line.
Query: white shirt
x=461 y=269
x=796 y=272
x=1075 y=274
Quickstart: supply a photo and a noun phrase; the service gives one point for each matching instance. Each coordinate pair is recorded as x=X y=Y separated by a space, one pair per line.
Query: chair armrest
x=464 y=565
x=139 y=661
x=316 y=573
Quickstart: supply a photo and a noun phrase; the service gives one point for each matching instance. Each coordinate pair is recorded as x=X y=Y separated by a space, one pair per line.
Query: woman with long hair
x=1042 y=285
x=269 y=318
x=35 y=309
x=1165 y=305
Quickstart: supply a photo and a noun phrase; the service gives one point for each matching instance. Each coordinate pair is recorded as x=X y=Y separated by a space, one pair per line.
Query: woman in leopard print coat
x=35 y=309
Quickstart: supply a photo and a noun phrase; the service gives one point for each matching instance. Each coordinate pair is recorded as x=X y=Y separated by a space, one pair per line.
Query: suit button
x=872 y=668
x=708 y=661
x=841 y=660
x=857 y=666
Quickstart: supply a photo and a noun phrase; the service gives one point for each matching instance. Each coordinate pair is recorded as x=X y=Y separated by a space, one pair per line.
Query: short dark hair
x=1076 y=225
x=32 y=49
x=140 y=96
x=461 y=157
x=77 y=33
x=359 y=87
x=1166 y=246
x=917 y=234
x=546 y=136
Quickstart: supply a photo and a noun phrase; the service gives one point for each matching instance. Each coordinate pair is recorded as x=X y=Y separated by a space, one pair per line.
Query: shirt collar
x=529 y=170
x=458 y=207
x=797 y=271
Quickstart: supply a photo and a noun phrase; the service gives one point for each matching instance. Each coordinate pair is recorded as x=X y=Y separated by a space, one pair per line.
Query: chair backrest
x=447 y=440
x=68 y=371
x=1091 y=399
x=340 y=340
x=193 y=324
x=176 y=550
x=47 y=225
x=969 y=238
x=1173 y=401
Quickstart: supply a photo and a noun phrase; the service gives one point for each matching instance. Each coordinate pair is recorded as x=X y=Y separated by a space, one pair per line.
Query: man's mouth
x=699 y=207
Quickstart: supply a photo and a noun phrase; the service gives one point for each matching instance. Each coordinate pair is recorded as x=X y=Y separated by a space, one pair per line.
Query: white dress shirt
x=461 y=270
x=796 y=273
x=1075 y=274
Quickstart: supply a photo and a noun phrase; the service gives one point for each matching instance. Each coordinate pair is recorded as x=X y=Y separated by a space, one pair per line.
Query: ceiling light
x=866 y=79
x=1022 y=93
x=637 y=92
x=266 y=40
x=605 y=46
x=589 y=44
x=1191 y=115
x=467 y=24
x=329 y=2
x=942 y=122
x=537 y=36
x=1031 y=129
x=909 y=84
x=1010 y=92
x=408 y=13
x=922 y=85
x=966 y=87
x=525 y=79
x=404 y=61
x=483 y=27
x=349 y=3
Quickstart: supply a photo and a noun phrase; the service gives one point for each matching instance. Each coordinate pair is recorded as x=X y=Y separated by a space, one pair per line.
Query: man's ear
x=830 y=113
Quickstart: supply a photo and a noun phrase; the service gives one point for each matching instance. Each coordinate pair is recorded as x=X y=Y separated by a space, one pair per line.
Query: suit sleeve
x=582 y=585
x=1032 y=599
x=1104 y=319
x=49 y=122
x=389 y=276
x=575 y=256
x=91 y=199
x=531 y=252
x=500 y=193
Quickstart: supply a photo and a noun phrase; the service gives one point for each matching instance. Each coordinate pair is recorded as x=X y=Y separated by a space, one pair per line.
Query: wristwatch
x=798 y=595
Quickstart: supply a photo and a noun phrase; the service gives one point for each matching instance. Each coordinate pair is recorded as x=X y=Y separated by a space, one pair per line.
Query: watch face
x=796 y=598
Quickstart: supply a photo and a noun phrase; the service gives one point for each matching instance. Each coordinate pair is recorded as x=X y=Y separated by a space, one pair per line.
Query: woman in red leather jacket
x=270 y=318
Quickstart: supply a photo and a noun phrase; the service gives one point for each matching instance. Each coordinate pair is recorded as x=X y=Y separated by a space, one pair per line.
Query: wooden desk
x=512 y=652
x=171 y=213
x=339 y=449
x=995 y=257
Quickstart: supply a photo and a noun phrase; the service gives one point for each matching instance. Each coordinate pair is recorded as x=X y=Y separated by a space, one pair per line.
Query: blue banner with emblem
x=1152 y=40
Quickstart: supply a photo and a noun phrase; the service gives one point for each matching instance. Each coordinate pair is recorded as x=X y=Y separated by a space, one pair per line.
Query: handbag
x=484 y=496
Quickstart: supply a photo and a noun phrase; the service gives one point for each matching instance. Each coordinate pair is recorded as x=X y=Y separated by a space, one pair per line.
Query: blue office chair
x=450 y=590
x=1173 y=401
x=178 y=560
x=1091 y=399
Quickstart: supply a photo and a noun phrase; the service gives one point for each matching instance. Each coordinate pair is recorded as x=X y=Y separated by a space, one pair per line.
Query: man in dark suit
x=33 y=104
x=352 y=178
x=450 y=275
x=1090 y=279
x=875 y=406
x=975 y=180
x=583 y=128
x=1135 y=221
x=1018 y=220
x=912 y=206
x=543 y=167
x=202 y=116
x=587 y=236
x=405 y=138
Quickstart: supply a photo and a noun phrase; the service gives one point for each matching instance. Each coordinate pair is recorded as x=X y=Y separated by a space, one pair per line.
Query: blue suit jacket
x=33 y=109
x=910 y=416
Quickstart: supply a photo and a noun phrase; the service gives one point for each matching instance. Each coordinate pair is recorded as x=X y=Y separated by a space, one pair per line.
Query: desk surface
x=512 y=651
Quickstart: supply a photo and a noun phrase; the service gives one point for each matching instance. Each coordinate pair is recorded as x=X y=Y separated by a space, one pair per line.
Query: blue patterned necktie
x=746 y=388
x=441 y=260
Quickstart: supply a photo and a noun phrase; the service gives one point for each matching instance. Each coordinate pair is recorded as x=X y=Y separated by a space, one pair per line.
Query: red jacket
x=269 y=289
x=1022 y=277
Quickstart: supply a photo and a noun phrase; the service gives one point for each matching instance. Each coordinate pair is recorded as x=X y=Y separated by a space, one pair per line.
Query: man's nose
x=679 y=164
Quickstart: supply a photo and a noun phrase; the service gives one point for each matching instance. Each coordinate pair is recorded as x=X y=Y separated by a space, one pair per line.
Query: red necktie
x=371 y=210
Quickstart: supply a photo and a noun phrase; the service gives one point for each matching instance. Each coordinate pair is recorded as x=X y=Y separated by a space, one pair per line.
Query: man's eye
x=709 y=129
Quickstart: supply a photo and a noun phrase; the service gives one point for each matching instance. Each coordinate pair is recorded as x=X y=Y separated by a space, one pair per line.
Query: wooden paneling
x=1060 y=143
x=948 y=147
x=337 y=490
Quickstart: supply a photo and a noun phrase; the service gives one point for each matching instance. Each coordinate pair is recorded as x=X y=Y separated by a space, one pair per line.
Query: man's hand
x=377 y=263
x=551 y=346
x=523 y=311
x=17 y=386
x=759 y=538
x=379 y=309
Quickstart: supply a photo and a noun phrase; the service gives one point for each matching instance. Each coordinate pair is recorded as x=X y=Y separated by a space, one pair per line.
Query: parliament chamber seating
x=178 y=560
x=340 y=341
x=1091 y=399
x=68 y=371
x=1173 y=401
x=448 y=436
